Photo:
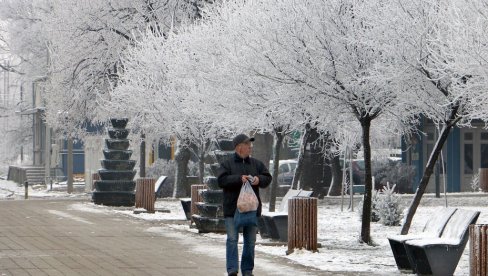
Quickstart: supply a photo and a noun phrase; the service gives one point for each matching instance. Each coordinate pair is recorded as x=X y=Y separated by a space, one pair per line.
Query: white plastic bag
x=247 y=201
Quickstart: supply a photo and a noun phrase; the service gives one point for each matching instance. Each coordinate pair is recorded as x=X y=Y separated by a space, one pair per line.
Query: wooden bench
x=274 y=225
x=432 y=229
x=440 y=256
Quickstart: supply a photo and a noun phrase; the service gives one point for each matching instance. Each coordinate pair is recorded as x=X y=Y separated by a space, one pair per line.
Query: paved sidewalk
x=46 y=237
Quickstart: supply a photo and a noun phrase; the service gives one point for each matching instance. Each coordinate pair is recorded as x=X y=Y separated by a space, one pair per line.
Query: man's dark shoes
x=232 y=273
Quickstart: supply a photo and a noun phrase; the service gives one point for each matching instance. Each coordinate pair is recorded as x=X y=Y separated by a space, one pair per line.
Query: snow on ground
x=338 y=231
x=12 y=190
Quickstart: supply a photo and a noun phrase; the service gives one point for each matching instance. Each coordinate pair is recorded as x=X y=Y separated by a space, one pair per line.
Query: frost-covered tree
x=198 y=87
x=388 y=206
x=163 y=101
x=87 y=40
x=24 y=36
x=328 y=51
x=443 y=44
x=23 y=55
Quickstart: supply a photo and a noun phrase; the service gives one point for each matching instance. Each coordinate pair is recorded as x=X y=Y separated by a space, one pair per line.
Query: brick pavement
x=45 y=237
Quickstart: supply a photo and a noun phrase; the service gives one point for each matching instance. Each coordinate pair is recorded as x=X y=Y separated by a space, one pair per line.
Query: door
x=474 y=155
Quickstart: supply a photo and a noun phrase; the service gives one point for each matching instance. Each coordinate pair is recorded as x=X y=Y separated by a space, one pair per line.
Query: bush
x=168 y=168
x=161 y=167
x=475 y=183
x=374 y=212
x=387 y=206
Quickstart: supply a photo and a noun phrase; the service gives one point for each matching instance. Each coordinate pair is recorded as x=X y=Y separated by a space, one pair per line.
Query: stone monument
x=116 y=185
x=211 y=217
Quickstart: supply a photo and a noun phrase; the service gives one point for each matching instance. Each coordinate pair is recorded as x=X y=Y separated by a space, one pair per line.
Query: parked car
x=286 y=171
x=358 y=170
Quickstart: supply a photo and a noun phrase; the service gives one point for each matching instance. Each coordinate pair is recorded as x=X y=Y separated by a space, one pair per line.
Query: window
x=283 y=168
x=468 y=158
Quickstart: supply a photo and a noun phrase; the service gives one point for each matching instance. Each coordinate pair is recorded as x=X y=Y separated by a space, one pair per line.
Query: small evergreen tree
x=475 y=183
x=388 y=206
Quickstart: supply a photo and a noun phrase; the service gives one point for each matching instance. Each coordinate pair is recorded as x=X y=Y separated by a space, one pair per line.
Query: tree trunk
x=201 y=166
x=366 y=217
x=335 y=185
x=278 y=142
x=142 y=162
x=182 y=157
x=315 y=170
x=299 y=168
x=262 y=149
x=429 y=169
x=200 y=151
x=69 y=163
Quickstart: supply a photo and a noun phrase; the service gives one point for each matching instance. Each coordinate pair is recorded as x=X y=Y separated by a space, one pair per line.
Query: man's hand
x=254 y=180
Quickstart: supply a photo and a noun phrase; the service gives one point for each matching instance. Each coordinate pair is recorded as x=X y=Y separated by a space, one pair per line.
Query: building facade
x=464 y=153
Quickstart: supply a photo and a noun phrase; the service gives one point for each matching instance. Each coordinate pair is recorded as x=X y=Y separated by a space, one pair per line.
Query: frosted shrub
x=161 y=167
x=475 y=183
x=168 y=167
x=192 y=168
x=388 y=206
x=374 y=212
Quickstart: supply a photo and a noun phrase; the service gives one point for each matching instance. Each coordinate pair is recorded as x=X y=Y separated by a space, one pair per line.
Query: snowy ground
x=338 y=231
x=12 y=190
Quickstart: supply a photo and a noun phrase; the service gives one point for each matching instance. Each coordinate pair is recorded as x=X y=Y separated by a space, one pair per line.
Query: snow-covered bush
x=374 y=212
x=475 y=182
x=168 y=168
x=388 y=206
x=161 y=167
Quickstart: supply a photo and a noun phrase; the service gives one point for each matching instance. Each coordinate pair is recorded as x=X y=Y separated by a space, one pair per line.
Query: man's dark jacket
x=229 y=177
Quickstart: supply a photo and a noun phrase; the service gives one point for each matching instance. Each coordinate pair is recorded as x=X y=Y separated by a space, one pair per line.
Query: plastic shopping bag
x=247 y=201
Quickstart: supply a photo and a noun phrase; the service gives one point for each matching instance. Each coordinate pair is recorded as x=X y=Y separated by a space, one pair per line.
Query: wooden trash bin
x=196 y=197
x=145 y=196
x=302 y=224
x=478 y=249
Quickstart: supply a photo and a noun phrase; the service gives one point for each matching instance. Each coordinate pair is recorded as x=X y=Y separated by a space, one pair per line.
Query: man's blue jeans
x=232 y=254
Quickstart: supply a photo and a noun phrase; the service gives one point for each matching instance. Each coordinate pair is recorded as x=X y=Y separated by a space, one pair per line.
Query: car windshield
x=293 y=166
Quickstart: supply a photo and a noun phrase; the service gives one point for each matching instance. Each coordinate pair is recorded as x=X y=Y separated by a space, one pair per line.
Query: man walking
x=232 y=174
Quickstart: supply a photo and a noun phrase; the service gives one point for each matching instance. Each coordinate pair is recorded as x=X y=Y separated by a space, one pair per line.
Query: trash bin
x=302 y=224
x=145 y=196
x=478 y=249
x=196 y=197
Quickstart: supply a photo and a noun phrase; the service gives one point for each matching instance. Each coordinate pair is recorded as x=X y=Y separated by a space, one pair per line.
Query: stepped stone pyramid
x=116 y=185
